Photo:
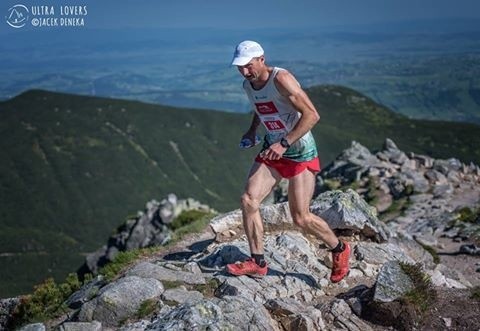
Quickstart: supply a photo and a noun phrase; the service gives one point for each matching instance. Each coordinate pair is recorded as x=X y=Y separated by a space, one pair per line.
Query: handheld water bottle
x=247 y=143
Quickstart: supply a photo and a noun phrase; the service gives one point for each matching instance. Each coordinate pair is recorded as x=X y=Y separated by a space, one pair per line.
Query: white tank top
x=279 y=117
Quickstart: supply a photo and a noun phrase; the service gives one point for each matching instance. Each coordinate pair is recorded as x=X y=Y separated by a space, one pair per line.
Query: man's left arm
x=289 y=87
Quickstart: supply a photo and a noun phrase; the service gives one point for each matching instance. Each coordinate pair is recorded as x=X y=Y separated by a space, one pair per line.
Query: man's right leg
x=260 y=183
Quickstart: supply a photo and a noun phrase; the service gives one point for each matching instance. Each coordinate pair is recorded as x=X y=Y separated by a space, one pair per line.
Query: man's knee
x=249 y=203
x=301 y=220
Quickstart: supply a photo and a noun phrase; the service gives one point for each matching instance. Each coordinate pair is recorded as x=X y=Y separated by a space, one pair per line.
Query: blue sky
x=256 y=13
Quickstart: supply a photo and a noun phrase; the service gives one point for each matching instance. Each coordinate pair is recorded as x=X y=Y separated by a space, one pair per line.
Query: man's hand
x=274 y=152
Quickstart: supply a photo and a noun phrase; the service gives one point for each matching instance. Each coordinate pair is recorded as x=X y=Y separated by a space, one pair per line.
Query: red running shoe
x=247 y=267
x=340 y=264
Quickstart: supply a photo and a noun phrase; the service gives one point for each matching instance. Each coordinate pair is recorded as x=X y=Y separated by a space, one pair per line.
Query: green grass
x=188 y=217
x=146 y=308
x=468 y=215
x=191 y=222
x=125 y=259
x=169 y=284
x=423 y=295
x=207 y=289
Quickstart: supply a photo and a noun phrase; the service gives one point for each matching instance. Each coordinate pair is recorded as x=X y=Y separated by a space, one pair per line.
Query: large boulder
x=392 y=283
x=347 y=210
x=229 y=313
x=120 y=300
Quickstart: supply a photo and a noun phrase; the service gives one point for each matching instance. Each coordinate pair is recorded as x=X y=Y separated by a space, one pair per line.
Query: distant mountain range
x=74 y=167
x=421 y=69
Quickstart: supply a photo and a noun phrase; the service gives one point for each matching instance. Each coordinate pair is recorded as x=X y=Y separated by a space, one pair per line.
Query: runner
x=289 y=151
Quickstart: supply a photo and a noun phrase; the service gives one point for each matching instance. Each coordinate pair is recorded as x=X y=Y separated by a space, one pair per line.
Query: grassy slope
x=74 y=167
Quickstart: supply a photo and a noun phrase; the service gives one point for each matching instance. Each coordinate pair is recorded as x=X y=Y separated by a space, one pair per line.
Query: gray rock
x=136 y=326
x=351 y=164
x=120 y=300
x=294 y=268
x=226 y=221
x=392 y=283
x=440 y=280
x=444 y=166
x=453 y=274
x=229 y=313
x=86 y=293
x=442 y=191
x=392 y=153
x=95 y=260
x=181 y=295
x=414 y=251
x=425 y=161
x=384 y=202
x=271 y=214
x=81 y=326
x=339 y=316
x=436 y=177
x=375 y=253
x=293 y=315
x=389 y=145
x=33 y=327
x=470 y=249
x=420 y=183
x=349 y=211
x=7 y=307
x=149 y=270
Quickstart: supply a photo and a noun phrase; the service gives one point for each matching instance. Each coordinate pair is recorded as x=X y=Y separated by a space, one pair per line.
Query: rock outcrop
x=428 y=192
x=149 y=228
x=193 y=291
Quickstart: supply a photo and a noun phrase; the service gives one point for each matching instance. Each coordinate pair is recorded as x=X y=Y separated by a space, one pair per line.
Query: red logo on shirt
x=274 y=125
x=265 y=108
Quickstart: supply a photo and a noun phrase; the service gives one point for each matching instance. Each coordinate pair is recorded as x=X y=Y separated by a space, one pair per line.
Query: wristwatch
x=284 y=143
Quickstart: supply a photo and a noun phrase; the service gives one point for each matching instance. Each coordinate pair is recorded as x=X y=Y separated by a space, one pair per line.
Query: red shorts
x=288 y=168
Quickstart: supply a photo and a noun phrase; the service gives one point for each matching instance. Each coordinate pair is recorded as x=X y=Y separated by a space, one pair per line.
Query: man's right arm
x=255 y=123
x=252 y=131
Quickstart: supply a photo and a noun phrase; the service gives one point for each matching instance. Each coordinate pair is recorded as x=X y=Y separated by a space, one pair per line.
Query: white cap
x=245 y=52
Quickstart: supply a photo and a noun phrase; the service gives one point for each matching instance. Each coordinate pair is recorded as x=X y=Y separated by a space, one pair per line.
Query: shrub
x=47 y=301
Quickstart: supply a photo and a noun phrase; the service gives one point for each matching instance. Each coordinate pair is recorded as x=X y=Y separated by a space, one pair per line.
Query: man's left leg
x=300 y=193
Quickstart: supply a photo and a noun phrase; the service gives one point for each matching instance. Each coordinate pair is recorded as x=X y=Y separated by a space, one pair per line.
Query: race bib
x=270 y=117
